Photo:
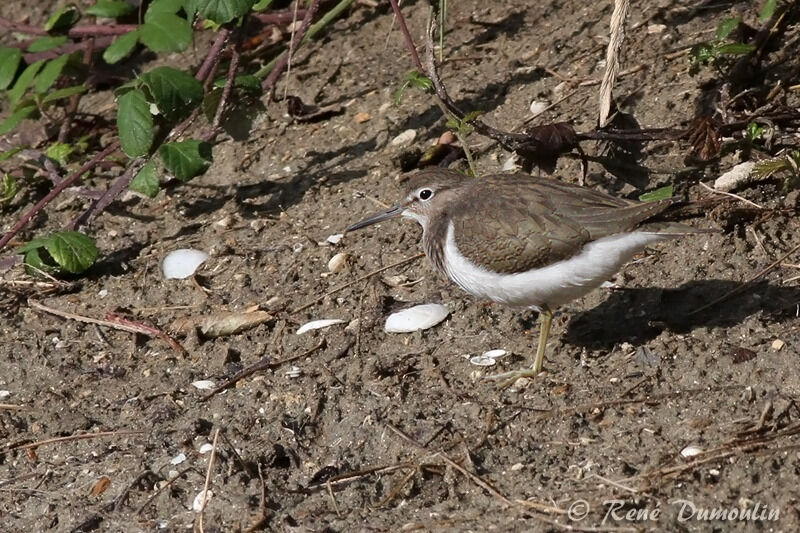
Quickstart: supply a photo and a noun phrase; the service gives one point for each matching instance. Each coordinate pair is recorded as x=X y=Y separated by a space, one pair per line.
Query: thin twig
x=741 y=199
x=93 y=162
x=284 y=59
x=355 y=281
x=70 y=438
x=401 y=22
x=208 y=479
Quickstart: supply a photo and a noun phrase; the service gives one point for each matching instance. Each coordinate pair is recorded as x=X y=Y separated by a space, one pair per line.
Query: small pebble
x=405 y=138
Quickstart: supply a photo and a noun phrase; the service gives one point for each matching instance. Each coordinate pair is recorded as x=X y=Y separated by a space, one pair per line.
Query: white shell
x=691 y=451
x=487 y=358
x=178 y=459
x=5 y=393
x=405 y=138
x=181 y=264
x=205 y=448
x=337 y=262
x=537 y=107
x=416 y=318
x=318 y=324
x=201 y=500
x=203 y=384
x=482 y=360
x=294 y=372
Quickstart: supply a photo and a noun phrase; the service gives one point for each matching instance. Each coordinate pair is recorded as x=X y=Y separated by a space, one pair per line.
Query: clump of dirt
x=647 y=404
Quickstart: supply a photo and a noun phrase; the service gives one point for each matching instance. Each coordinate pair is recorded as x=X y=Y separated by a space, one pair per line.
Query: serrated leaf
x=121 y=47
x=50 y=73
x=110 y=9
x=662 y=193
x=701 y=53
x=62 y=19
x=59 y=152
x=135 y=123
x=186 y=159
x=66 y=92
x=146 y=180
x=9 y=63
x=15 y=118
x=165 y=32
x=24 y=81
x=767 y=10
x=222 y=11
x=175 y=92
x=737 y=49
x=8 y=189
x=726 y=27
x=72 y=251
x=43 y=44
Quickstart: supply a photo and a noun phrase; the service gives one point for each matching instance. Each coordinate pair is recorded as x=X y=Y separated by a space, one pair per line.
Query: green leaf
x=8 y=154
x=663 y=193
x=222 y=11
x=8 y=189
x=701 y=54
x=191 y=7
x=36 y=265
x=262 y=5
x=165 y=32
x=50 y=73
x=24 y=81
x=43 y=44
x=246 y=82
x=66 y=92
x=110 y=9
x=754 y=132
x=59 y=152
x=73 y=251
x=726 y=27
x=135 y=123
x=164 y=6
x=735 y=49
x=63 y=19
x=15 y=118
x=175 y=92
x=767 y=10
x=121 y=47
x=146 y=180
x=186 y=159
x=9 y=63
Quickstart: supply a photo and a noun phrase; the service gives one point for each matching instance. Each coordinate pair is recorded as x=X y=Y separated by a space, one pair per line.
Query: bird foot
x=506 y=379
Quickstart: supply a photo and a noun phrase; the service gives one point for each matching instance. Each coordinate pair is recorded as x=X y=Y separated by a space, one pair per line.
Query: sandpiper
x=526 y=242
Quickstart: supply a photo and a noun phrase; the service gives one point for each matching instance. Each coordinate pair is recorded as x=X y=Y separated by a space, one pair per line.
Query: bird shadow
x=639 y=315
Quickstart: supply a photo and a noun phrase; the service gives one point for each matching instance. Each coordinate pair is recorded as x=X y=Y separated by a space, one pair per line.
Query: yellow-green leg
x=508 y=378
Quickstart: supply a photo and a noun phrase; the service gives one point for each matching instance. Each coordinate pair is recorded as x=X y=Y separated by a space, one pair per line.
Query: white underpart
x=553 y=285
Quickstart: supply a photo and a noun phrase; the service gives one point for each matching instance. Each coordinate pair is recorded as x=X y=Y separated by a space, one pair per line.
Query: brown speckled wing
x=514 y=223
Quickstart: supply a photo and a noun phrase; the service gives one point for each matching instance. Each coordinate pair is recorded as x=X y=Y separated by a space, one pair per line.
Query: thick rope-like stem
x=621 y=8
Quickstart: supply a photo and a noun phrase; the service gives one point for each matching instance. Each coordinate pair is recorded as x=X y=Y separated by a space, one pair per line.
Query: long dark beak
x=392 y=212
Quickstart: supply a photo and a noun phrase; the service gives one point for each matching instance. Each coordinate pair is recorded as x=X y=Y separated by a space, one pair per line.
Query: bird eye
x=425 y=194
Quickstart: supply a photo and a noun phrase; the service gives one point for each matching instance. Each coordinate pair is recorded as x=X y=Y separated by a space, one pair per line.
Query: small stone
x=655 y=29
x=778 y=345
x=405 y=138
x=362 y=117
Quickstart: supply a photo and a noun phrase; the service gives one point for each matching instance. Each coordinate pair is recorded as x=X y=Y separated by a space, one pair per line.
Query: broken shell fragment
x=182 y=263
x=337 y=262
x=318 y=324
x=416 y=318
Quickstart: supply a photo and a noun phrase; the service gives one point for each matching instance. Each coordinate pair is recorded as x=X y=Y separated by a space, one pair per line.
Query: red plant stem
x=226 y=91
x=269 y=82
x=109 y=196
x=280 y=17
x=91 y=30
x=56 y=191
x=412 y=49
x=212 y=58
x=99 y=44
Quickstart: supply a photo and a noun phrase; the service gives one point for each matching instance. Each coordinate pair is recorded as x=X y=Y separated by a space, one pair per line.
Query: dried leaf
x=704 y=136
x=229 y=323
x=100 y=486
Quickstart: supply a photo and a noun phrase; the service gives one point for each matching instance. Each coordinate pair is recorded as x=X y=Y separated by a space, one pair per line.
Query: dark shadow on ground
x=638 y=315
